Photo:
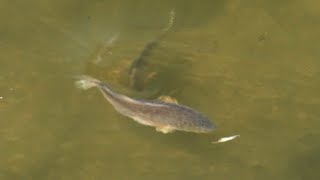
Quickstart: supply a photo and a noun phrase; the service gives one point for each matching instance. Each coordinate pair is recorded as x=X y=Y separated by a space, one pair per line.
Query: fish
x=225 y=139
x=164 y=116
x=137 y=66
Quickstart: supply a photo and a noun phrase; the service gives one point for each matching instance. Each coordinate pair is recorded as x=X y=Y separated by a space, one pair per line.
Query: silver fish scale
x=177 y=116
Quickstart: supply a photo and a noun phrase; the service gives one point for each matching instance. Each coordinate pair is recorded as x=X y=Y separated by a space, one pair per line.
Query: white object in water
x=225 y=139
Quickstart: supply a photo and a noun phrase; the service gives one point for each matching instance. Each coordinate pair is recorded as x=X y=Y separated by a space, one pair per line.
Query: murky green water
x=253 y=67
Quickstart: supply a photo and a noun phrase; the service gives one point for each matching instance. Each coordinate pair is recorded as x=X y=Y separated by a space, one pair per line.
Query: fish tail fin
x=86 y=82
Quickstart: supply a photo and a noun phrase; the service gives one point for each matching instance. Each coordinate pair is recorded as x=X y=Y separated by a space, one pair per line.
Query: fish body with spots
x=164 y=116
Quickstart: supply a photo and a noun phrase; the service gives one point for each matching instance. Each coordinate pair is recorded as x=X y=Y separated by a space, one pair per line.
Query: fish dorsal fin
x=168 y=99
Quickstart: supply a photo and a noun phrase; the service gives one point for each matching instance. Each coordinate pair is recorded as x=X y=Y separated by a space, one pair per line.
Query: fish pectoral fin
x=165 y=129
x=149 y=77
x=168 y=99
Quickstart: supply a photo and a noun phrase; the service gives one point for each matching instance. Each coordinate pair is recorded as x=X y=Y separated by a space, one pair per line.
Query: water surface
x=253 y=67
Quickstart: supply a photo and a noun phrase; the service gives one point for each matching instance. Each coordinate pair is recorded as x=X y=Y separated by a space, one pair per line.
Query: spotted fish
x=164 y=116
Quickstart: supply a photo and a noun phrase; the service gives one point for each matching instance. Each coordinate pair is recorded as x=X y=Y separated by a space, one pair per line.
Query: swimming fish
x=136 y=70
x=166 y=117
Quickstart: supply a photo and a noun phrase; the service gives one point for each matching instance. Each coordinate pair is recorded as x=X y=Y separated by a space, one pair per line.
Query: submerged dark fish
x=164 y=116
x=136 y=68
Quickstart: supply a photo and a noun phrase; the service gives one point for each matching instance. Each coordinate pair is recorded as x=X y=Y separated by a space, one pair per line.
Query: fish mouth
x=206 y=129
x=209 y=129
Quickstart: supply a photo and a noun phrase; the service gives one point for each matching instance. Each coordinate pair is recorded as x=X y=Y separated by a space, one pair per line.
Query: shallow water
x=253 y=67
